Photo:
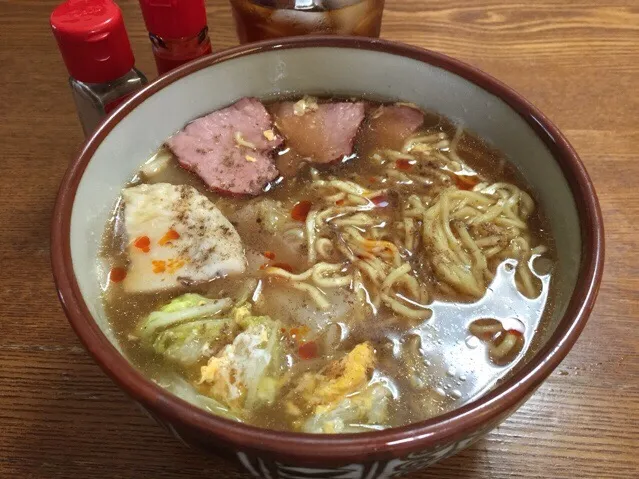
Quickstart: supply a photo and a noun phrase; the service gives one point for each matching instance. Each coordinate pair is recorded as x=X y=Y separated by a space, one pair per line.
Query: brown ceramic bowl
x=352 y=66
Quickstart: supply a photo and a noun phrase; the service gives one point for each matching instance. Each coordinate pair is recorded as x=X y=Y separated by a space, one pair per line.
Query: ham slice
x=231 y=149
x=390 y=126
x=319 y=133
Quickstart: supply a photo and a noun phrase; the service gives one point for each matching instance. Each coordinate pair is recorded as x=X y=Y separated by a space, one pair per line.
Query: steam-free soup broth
x=327 y=265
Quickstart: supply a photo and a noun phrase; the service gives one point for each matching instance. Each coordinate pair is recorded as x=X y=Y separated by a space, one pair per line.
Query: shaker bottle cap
x=92 y=40
x=174 y=18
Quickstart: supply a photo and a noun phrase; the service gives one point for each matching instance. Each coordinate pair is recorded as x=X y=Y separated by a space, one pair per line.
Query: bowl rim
x=344 y=447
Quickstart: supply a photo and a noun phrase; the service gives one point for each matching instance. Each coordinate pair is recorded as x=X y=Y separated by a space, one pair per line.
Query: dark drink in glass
x=263 y=19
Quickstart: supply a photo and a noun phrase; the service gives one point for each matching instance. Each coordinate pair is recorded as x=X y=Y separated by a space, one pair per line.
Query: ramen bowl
x=344 y=67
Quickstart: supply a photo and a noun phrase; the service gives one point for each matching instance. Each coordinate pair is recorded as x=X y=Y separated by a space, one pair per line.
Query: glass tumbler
x=263 y=19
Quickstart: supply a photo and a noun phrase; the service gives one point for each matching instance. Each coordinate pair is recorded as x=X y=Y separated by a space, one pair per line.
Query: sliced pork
x=176 y=236
x=319 y=133
x=389 y=126
x=230 y=149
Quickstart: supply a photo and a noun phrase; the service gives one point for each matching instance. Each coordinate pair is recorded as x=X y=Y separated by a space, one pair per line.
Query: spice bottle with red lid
x=97 y=53
x=178 y=31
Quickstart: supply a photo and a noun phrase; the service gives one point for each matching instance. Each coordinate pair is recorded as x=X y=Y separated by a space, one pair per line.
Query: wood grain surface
x=578 y=60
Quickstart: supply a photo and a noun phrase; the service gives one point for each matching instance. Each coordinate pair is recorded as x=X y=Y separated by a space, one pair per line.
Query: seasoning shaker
x=97 y=53
x=178 y=31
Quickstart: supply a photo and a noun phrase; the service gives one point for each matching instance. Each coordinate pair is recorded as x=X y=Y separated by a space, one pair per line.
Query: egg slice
x=176 y=237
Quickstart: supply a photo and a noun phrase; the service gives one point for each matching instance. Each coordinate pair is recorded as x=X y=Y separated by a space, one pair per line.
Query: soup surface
x=379 y=265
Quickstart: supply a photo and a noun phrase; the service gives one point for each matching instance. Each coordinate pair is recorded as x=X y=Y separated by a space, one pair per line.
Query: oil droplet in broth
x=472 y=342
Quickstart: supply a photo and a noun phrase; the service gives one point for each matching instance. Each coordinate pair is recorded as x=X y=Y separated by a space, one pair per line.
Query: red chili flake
x=300 y=210
x=516 y=333
x=282 y=330
x=466 y=182
x=381 y=201
x=403 y=164
x=284 y=266
x=143 y=243
x=372 y=179
x=117 y=274
x=308 y=350
x=339 y=202
x=168 y=237
x=269 y=254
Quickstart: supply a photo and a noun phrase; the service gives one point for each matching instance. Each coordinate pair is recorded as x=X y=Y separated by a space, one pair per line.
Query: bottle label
x=168 y=59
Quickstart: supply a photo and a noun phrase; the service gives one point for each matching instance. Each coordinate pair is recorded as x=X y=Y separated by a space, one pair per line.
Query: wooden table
x=60 y=417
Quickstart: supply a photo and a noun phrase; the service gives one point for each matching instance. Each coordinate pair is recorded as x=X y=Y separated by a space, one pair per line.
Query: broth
x=436 y=343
